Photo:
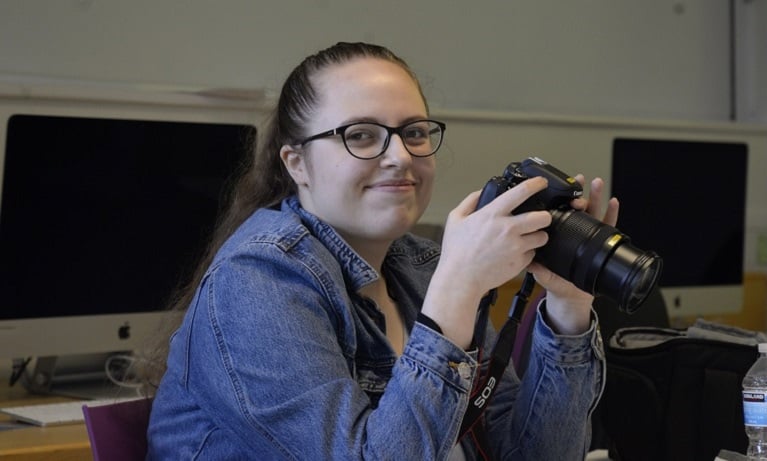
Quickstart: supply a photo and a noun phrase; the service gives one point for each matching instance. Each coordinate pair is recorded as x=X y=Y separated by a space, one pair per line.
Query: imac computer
x=686 y=200
x=100 y=219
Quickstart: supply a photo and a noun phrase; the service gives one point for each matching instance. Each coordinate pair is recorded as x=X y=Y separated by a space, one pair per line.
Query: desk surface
x=61 y=443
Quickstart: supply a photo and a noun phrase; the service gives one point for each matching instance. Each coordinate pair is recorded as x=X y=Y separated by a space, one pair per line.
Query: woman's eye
x=416 y=134
x=361 y=135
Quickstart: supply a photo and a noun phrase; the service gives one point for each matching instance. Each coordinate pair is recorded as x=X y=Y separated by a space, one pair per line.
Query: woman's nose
x=396 y=151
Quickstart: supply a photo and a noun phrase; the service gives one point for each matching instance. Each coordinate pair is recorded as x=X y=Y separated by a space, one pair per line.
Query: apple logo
x=124 y=331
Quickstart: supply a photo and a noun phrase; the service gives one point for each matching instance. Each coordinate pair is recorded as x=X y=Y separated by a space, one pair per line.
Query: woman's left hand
x=568 y=308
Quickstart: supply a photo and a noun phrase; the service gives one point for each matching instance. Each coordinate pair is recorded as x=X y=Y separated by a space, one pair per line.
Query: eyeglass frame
x=341 y=130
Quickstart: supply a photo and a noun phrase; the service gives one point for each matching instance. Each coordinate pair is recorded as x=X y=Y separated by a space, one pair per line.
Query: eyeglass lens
x=368 y=140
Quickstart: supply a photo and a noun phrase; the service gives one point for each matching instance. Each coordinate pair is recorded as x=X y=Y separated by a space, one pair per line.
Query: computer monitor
x=100 y=219
x=686 y=200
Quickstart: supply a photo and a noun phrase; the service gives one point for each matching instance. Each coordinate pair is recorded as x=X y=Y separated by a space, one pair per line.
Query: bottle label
x=755 y=407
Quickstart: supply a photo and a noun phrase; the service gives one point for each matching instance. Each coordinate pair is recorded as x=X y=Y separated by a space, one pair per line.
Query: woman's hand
x=481 y=250
x=568 y=308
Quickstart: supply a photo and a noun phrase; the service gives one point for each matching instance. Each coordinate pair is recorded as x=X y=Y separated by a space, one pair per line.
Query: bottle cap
x=762 y=348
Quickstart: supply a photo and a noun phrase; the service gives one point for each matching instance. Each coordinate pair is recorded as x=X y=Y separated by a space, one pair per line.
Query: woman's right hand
x=481 y=250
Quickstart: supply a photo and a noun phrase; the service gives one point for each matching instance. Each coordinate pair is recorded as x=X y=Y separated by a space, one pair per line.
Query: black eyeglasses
x=368 y=140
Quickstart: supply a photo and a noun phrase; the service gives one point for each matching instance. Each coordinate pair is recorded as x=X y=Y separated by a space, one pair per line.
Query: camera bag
x=670 y=396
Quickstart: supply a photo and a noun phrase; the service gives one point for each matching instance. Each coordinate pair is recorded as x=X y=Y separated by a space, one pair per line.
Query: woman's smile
x=393 y=186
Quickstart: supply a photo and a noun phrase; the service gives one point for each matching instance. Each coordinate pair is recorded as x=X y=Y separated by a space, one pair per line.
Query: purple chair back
x=524 y=339
x=117 y=431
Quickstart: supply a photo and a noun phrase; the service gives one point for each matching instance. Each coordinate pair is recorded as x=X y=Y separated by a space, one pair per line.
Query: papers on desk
x=727 y=455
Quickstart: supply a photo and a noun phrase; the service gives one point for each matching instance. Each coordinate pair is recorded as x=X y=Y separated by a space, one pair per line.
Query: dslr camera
x=595 y=257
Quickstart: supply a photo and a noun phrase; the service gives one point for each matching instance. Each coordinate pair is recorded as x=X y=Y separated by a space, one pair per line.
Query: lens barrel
x=599 y=259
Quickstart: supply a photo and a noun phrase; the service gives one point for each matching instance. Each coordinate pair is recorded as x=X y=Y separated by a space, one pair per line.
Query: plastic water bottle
x=755 y=407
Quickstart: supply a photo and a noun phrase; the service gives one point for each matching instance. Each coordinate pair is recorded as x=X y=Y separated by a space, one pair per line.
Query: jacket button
x=464 y=370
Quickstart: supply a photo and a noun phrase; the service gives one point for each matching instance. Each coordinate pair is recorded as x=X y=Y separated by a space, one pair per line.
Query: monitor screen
x=101 y=218
x=686 y=200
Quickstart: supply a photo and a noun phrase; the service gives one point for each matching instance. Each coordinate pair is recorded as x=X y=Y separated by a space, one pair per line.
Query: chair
x=117 y=431
x=652 y=313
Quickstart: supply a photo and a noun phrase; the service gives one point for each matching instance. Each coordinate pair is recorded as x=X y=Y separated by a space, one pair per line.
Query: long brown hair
x=262 y=180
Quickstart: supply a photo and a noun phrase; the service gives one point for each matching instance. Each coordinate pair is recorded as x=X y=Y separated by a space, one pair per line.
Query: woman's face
x=364 y=200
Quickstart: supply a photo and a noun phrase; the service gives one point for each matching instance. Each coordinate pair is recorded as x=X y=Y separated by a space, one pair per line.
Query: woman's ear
x=295 y=163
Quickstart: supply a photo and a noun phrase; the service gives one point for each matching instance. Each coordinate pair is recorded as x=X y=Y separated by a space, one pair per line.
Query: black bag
x=673 y=397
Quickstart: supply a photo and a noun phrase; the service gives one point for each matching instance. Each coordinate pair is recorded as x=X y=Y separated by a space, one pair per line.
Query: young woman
x=318 y=328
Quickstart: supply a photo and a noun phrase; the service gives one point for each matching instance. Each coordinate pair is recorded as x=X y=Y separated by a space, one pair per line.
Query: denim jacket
x=279 y=357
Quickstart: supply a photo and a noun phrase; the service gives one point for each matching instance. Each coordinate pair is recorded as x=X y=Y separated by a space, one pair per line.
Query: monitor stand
x=81 y=376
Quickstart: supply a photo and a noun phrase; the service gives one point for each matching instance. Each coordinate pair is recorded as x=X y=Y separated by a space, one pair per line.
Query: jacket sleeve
x=547 y=414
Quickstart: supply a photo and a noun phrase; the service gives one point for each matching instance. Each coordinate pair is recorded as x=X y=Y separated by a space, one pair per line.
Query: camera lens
x=629 y=275
x=599 y=259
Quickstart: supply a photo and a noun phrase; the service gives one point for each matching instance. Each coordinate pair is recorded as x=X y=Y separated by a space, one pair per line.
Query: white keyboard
x=50 y=414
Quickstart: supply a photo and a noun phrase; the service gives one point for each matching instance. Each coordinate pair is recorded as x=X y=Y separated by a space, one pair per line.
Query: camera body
x=562 y=188
x=594 y=256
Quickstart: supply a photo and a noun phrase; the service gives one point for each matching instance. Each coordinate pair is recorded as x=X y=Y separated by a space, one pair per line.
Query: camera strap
x=485 y=385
